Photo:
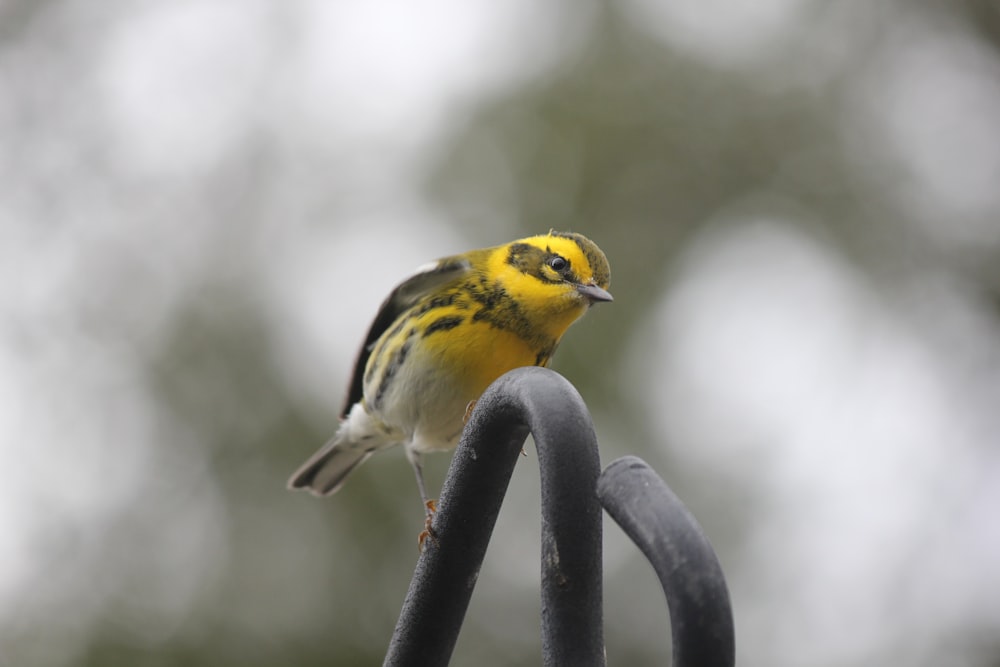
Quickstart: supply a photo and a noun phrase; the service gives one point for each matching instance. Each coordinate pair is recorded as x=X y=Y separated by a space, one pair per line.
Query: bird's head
x=555 y=277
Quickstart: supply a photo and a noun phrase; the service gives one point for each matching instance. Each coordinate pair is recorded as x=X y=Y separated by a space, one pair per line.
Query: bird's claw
x=428 y=530
x=468 y=412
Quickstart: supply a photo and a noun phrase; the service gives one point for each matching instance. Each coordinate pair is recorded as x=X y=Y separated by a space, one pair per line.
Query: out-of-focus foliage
x=203 y=203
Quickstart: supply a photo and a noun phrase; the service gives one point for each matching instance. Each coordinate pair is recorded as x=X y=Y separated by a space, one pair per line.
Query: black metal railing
x=542 y=402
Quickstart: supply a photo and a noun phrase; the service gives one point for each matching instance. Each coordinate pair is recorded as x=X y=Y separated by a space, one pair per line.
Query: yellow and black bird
x=444 y=335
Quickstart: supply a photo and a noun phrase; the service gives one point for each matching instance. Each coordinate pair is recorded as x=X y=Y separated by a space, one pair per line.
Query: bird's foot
x=468 y=412
x=428 y=531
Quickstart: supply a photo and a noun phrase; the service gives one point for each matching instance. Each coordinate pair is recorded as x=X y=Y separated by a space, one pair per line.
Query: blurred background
x=203 y=203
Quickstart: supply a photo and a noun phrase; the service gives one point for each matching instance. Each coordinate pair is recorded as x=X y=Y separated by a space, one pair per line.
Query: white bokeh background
x=254 y=176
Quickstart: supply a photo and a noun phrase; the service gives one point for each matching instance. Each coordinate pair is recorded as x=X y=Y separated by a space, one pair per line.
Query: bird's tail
x=326 y=470
x=358 y=437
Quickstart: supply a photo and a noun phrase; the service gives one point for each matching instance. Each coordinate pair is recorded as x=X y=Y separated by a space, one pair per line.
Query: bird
x=443 y=336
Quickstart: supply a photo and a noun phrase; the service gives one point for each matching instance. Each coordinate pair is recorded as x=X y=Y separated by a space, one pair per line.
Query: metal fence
x=574 y=494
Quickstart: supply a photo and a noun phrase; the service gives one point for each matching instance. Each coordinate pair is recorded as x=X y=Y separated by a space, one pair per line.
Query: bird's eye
x=558 y=263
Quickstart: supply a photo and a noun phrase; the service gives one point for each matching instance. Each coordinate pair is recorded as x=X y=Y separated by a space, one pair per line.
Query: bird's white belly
x=423 y=402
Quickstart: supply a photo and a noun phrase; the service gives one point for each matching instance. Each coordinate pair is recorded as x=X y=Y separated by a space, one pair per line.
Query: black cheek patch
x=519 y=256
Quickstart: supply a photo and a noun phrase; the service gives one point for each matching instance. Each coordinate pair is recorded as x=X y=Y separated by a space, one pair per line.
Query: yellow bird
x=443 y=336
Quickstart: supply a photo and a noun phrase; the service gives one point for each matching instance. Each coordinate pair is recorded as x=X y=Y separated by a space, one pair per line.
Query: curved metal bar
x=647 y=510
x=546 y=404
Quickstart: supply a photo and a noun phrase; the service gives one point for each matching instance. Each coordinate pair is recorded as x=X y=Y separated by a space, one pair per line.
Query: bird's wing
x=407 y=293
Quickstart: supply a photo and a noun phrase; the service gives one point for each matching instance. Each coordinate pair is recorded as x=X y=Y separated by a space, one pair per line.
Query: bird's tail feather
x=326 y=470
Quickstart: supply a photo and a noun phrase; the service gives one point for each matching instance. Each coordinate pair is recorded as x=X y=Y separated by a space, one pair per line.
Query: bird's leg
x=418 y=470
x=429 y=505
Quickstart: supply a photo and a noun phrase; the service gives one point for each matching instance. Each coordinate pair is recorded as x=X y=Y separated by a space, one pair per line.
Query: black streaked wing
x=405 y=295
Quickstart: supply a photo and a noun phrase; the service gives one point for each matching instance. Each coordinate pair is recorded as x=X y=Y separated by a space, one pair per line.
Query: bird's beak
x=594 y=293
